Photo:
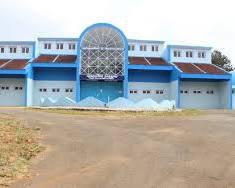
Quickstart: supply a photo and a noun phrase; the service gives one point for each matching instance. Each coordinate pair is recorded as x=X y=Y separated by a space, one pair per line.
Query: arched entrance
x=102 y=62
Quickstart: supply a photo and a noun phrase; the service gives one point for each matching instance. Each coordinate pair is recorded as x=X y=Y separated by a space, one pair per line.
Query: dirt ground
x=141 y=152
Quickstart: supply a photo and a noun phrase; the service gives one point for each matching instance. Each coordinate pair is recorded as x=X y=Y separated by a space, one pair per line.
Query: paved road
x=150 y=152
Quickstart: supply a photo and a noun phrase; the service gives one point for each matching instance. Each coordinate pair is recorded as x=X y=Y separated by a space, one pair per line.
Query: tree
x=221 y=60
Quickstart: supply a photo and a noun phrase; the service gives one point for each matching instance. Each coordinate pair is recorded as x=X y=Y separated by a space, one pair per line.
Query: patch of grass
x=110 y=113
x=18 y=145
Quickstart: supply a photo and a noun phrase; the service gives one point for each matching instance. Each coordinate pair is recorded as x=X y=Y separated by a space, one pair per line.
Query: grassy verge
x=189 y=112
x=18 y=145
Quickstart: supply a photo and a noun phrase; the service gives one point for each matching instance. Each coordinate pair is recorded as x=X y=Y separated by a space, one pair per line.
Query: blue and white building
x=104 y=64
x=233 y=89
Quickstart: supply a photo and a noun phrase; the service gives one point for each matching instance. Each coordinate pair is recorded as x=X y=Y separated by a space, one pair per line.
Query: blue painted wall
x=233 y=77
x=12 y=76
x=201 y=80
x=104 y=91
x=60 y=74
x=149 y=76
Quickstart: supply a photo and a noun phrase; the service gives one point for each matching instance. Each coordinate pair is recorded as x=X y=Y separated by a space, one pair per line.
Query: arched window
x=102 y=53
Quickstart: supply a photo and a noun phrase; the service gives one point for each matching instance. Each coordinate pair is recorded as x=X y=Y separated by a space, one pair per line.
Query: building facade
x=104 y=64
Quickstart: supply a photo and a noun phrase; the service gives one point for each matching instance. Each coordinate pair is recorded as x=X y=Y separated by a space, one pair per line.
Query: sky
x=187 y=22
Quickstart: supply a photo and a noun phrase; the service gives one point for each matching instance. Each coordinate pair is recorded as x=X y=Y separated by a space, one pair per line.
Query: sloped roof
x=199 y=68
x=147 y=61
x=55 y=59
x=14 y=64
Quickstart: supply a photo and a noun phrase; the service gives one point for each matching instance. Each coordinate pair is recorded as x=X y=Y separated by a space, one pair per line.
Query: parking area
x=93 y=151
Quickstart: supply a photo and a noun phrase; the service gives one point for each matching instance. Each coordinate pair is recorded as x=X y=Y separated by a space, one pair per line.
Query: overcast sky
x=192 y=22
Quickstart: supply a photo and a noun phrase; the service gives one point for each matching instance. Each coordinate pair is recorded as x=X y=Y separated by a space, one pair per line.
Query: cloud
x=191 y=22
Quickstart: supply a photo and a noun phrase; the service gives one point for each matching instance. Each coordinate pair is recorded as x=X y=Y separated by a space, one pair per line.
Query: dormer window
x=177 y=53
x=131 y=47
x=2 y=49
x=201 y=55
x=13 y=50
x=72 y=46
x=25 y=50
x=143 y=48
x=59 y=46
x=189 y=54
x=154 y=48
x=47 y=46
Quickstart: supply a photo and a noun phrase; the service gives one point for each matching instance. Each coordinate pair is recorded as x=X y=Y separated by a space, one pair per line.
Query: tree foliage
x=221 y=60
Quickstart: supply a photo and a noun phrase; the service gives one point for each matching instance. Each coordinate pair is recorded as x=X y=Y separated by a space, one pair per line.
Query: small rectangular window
x=131 y=47
x=210 y=92
x=7 y=87
x=159 y=92
x=59 y=46
x=133 y=91
x=177 y=53
x=42 y=90
x=146 y=91
x=154 y=48
x=47 y=46
x=12 y=49
x=197 y=92
x=55 y=90
x=72 y=46
x=201 y=55
x=143 y=48
x=16 y=88
x=2 y=50
x=189 y=54
x=25 y=50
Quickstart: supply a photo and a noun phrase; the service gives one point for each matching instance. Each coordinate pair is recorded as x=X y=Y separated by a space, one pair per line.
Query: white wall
x=12 y=97
x=53 y=95
x=149 y=52
x=224 y=94
x=53 y=50
x=140 y=86
x=194 y=59
x=174 y=90
x=203 y=100
x=18 y=54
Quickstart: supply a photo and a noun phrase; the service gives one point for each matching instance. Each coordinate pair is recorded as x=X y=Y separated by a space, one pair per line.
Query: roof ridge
x=198 y=68
x=55 y=59
x=147 y=61
x=3 y=65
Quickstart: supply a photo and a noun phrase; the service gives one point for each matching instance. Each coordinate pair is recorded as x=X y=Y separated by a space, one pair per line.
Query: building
x=233 y=89
x=104 y=64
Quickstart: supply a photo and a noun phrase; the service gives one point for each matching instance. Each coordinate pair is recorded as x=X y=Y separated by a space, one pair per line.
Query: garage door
x=200 y=95
x=12 y=92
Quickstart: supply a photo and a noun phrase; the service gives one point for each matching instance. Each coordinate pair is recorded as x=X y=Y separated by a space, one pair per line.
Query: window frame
x=13 y=50
x=59 y=46
x=2 y=50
